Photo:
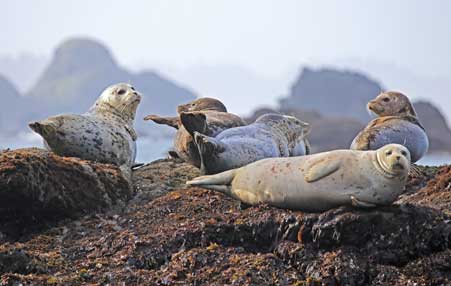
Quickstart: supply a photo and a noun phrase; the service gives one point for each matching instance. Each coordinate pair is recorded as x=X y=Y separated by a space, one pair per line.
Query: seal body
x=397 y=123
x=205 y=115
x=271 y=135
x=104 y=134
x=318 y=182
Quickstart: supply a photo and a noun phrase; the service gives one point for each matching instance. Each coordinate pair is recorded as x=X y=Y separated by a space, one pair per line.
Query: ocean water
x=152 y=148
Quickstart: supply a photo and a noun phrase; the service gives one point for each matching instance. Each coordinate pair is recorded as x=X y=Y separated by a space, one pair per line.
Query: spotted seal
x=104 y=134
x=397 y=123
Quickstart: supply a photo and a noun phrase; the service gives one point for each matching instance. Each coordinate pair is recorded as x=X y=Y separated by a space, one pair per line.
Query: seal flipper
x=361 y=204
x=208 y=147
x=169 y=121
x=320 y=169
x=220 y=182
x=194 y=122
x=45 y=127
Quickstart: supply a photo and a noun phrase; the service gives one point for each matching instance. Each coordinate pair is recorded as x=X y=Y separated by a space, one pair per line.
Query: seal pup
x=205 y=115
x=318 y=182
x=271 y=135
x=397 y=123
x=104 y=134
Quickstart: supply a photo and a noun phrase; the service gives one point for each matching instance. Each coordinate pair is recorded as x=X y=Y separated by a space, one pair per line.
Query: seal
x=205 y=115
x=104 y=134
x=318 y=182
x=271 y=135
x=397 y=123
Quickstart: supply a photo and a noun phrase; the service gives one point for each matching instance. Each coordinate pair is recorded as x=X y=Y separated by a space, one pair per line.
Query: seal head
x=202 y=104
x=391 y=103
x=120 y=99
x=393 y=160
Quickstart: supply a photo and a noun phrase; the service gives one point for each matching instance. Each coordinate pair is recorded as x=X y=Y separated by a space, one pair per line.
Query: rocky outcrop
x=81 y=69
x=37 y=186
x=173 y=235
x=11 y=102
x=333 y=93
x=338 y=100
x=435 y=125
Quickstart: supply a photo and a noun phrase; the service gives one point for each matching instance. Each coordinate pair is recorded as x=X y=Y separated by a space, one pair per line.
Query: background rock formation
x=333 y=93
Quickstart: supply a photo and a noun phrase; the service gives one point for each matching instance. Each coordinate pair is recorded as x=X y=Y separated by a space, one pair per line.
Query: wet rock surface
x=38 y=187
x=169 y=234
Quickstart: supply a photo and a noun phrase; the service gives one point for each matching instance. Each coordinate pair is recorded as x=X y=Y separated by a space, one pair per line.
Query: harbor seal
x=104 y=134
x=205 y=115
x=271 y=135
x=318 y=182
x=397 y=123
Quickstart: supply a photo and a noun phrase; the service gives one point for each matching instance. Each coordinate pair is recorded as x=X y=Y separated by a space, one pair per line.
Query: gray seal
x=318 y=182
x=104 y=134
x=205 y=115
x=397 y=123
x=271 y=135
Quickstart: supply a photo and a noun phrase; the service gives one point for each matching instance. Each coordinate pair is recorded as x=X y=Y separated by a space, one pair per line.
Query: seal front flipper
x=361 y=204
x=194 y=122
x=321 y=168
x=169 y=121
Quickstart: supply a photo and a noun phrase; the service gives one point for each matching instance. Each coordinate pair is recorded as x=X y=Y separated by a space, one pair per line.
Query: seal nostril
x=398 y=157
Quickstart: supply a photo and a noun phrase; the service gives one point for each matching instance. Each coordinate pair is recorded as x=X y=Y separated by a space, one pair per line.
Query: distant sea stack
x=81 y=68
x=435 y=125
x=12 y=103
x=332 y=93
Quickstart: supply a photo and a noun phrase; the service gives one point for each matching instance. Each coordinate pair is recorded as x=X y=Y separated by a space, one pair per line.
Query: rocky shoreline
x=159 y=232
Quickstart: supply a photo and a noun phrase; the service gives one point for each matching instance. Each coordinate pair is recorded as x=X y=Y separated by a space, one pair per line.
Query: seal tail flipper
x=220 y=182
x=170 y=121
x=44 y=127
x=207 y=146
x=194 y=122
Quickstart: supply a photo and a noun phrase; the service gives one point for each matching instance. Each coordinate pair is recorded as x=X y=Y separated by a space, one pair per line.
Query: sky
x=219 y=47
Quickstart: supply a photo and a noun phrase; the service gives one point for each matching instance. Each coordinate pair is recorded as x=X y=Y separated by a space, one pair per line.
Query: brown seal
x=397 y=123
x=205 y=115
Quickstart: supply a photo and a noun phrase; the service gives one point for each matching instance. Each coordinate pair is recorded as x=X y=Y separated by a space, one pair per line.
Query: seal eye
x=385 y=99
x=388 y=153
x=121 y=92
x=404 y=153
x=132 y=88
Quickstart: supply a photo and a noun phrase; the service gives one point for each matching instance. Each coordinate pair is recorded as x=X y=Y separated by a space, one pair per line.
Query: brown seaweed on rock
x=169 y=234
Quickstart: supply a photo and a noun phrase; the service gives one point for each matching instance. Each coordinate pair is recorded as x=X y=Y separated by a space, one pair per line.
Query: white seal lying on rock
x=271 y=135
x=318 y=182
x=397 y=123
x=104 y=134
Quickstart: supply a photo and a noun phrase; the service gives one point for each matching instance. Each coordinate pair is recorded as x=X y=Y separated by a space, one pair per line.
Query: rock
x=435 y=125
x=160 y=177
x=173 y=235
x=82 y=68
x=333 y=93
x=37 y=185
x=436 y=194
x=12 y=101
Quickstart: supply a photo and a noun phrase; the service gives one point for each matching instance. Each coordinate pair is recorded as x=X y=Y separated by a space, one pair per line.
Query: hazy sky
x=263 y=39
